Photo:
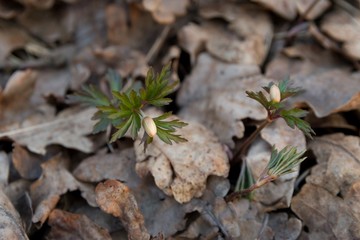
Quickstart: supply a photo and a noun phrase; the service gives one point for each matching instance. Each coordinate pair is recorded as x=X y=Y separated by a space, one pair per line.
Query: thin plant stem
x=259 y=183
x=239 y=155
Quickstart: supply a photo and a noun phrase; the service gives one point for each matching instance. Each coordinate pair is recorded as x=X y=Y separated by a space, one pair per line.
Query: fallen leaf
x=328 y=84
x=165 y=11
x=312 y=9
x=54 y=26
x=26 y=163
x=214 y=95
x=66 y=225
x=10 y=220
x=115 y=198
x=284 y=8
x=181 y=170
x=284 y=226
x=325 y=215
x=247 y=40
x=339 y=166
x=55 y=181
x=344 y=28
x=69 y=128
x=5 y=168
x=163 y=215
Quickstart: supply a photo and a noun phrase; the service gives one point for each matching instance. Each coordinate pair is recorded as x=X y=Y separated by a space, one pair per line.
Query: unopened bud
x=149 y=126
x=275 y=94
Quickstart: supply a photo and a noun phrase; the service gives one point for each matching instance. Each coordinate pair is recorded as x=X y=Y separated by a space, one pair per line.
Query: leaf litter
x=219 y=50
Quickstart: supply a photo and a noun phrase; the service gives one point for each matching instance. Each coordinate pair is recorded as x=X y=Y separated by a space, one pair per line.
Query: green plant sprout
x=124 y=109
x=283 y=161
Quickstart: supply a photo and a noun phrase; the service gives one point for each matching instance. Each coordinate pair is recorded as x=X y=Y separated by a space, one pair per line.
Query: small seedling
x=124 y=109
x=283 y=161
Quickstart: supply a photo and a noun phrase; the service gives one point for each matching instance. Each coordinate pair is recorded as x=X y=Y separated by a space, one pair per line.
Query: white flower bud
x=149 y=126
x=275 y=94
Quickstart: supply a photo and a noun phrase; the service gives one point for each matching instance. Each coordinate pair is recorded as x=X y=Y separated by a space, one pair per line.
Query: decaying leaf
x=181 y=170
x=331 y=190
x=214 y=95
x=26 y=163
x=55 y=181
x=344 y=28
x=163 y=215
x=69 y=129
x=328 y=84
x=66 y=225
x=165 y=11
x=326 y=216
x=284 y=226
x=308 y=9
x=10 y=221
x=5 y=167
x=339 y=164
x=234 y=42
x=116 y=198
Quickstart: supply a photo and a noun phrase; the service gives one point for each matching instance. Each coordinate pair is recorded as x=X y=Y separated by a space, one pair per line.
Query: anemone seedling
x=124 y=109
x=283 y=161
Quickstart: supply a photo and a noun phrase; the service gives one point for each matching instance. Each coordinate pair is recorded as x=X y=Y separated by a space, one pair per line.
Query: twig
x=155 y=48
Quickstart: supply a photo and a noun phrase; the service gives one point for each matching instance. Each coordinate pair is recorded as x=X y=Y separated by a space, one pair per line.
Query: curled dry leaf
x=116 y=199
x=284 y=8
x=68 y=129
x=165 y=11
x=66 y=225
x=26 y=163
x=344 y=28
x=182 y=170
x=328 y=84
x=163 y=215
x=55 y=181
x=312 y=9
x=332 y=189
x=10 y=221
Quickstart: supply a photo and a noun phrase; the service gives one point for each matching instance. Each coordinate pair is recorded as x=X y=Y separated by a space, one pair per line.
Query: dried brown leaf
x=26 y=163
x=182 y=169
x=69 y=129
x=344 y=28
x=116 y=199
x=5 y=168
x=326 y=216
x=165 y=11
x=164 y=214
x=10 y=221
x=312 y=9
x=284 y=8
x=284 y=226
x=66 y=225
x=55 y=181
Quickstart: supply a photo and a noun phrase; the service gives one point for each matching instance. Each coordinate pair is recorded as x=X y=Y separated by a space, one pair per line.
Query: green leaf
x=122 y=129
x=292 y=118
x=166 y=129
x=245 y=179
x=114 y=79
x=91 y=96
x=157 y=87
x=285 y=161
x=260 y=97
x=285 y=87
